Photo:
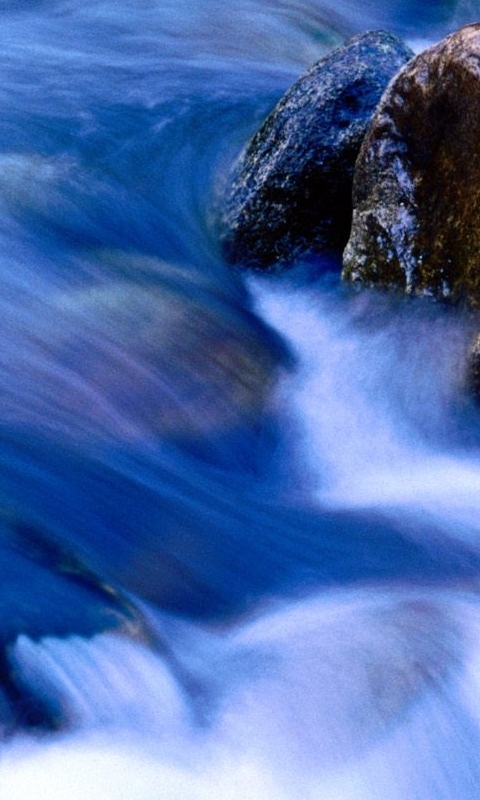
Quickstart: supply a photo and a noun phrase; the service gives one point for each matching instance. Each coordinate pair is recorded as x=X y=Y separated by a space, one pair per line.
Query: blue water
x=239 y=516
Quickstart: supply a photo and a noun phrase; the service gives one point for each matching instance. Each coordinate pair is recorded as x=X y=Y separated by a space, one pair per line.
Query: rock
x=417 y=179
x=165 y=359
x=291 y=191
x=364 y=659
x=47 y=591
x=473 y=370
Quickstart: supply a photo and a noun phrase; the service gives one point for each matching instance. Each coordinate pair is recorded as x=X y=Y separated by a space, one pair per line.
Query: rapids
x=239 y=515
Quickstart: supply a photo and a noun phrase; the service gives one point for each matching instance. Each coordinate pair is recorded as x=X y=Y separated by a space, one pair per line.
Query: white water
x=367 y=398
x=354 y=694
x=264 y=682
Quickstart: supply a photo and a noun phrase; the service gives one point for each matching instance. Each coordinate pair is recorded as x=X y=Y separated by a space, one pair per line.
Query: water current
x=239 y=514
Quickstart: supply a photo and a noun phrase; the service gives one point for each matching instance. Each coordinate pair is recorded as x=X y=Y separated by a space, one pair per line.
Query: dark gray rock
x=291 y=191
x=417 y=178
x=46 y=590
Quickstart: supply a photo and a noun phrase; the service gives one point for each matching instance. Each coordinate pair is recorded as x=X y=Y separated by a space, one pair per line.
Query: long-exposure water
x=239 y=514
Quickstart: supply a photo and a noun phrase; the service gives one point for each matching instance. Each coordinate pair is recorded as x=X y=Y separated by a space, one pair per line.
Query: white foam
x=365 y=694
x=360 y=399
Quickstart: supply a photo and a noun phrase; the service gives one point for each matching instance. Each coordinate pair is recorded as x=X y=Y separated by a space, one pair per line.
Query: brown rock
x=417 y=179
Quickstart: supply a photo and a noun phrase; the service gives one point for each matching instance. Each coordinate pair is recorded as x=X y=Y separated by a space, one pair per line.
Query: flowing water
x=239 y=515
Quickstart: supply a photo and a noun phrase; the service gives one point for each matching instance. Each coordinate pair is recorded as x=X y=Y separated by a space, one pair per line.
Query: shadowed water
x=239 y=516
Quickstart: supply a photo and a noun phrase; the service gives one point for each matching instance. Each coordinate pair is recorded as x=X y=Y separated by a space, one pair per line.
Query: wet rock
x=473 y=370
x=417 y=179
x=291 y=192
x=47 y=590
x=167 y=358
x=365 y=660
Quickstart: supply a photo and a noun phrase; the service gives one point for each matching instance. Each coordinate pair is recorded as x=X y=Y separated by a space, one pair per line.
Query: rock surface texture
x=291 y=191
x=417 y=179
x=473 y=370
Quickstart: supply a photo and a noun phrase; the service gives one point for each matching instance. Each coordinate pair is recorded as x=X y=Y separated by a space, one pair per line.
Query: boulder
x=417 y=179
x=167 y=358
x=291 y=190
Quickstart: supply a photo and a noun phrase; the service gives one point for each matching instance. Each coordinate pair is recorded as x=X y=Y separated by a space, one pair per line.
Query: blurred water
x=238 y=517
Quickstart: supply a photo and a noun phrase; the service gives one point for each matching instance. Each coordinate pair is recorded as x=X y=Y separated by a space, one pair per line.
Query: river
x=239 y=514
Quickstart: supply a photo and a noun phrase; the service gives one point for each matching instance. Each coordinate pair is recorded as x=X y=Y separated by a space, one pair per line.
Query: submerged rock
x=47 y=591
x=166 y=359
x=417 y=178
x=189 y=369
x=291 y=192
